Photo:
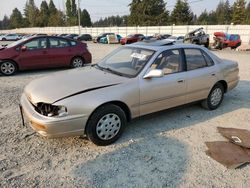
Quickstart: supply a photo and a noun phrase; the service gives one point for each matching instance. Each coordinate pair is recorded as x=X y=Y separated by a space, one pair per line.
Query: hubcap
x=108 y=126
x=77 y=62
x=7 y=68
x=216 y=96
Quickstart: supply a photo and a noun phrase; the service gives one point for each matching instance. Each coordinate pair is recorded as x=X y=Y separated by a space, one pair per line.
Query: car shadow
x=148 y=156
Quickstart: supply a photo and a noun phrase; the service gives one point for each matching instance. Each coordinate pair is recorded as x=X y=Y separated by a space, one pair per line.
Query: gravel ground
x=165 y=149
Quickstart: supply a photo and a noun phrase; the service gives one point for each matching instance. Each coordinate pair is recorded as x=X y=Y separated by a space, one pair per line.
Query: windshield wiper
x=109 y=70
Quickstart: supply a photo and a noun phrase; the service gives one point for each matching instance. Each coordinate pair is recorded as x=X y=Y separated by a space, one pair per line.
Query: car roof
x=158 y=46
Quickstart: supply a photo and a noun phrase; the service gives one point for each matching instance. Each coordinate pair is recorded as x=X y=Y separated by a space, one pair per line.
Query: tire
x=207 y=44
x=214 y=98
x=106 y=125
x=8 y=68
x=3 y=39
x=77 y=62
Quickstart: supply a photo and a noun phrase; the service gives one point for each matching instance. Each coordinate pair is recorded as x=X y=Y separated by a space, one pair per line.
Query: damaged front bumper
x=70 y=125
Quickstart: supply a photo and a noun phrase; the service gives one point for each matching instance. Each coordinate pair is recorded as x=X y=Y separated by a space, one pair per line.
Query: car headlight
x=51 y=110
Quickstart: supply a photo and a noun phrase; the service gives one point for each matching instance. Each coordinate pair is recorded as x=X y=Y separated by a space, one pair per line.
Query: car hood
x=65 y=84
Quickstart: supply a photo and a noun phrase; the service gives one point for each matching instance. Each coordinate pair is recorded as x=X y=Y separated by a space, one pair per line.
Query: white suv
x=9 y=37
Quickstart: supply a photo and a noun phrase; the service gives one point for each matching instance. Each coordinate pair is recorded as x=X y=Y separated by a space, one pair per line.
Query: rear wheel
x=106 y=125
x=8 y=68
x=214 y=98
x=77 y=62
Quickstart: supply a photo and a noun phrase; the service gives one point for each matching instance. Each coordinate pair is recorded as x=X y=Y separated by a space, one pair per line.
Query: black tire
x=95 y=121
x=3 y=39
x=207 y=44
x=8 y=68
x=208 y=103
x=77 y=62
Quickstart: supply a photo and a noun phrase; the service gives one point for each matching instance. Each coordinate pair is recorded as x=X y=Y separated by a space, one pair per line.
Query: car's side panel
x=162 y=93
x=200 y=82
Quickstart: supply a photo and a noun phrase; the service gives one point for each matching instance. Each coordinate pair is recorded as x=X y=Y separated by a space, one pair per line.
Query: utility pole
x=79 y=18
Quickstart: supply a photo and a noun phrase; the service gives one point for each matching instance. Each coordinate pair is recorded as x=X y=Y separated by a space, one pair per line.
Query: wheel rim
x=77 y=62
x=216 y=96
x=7 y=68
x=108 y=126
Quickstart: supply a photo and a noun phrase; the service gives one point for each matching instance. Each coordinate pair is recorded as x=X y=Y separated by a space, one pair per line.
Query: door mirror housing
x=155 y=73
x=23 y=48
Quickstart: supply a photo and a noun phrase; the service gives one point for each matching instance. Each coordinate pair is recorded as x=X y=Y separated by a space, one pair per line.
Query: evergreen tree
x=31 y=13
x=57 y=19
x=44 y=14
x=85 y=18
x=227 y=13
x=16 y=19
x=182 y=14
x=5 y=24
x=148 y=12
x=248 y=14
x=71 y=12
x=203 y=18
x=239 y=12
x=52 y=8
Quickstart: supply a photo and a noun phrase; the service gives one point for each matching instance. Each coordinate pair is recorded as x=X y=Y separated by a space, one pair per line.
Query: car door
x=164 y=92
x=34 y=53
x=60 y=52
x=201 y=74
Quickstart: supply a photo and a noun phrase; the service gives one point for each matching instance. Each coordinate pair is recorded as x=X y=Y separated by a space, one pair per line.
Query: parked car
x=111 y=39
x=224 y=40
x=98 y=38
x=197 y=36
x=132 y=39
x=132 y=81
x=175 y=39
x=71 y=36
x=43 y=52
x=84 y=37
x=9 y=37
x=62 y=35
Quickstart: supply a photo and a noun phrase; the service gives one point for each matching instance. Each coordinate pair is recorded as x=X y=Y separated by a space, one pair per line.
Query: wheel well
x=224 y=83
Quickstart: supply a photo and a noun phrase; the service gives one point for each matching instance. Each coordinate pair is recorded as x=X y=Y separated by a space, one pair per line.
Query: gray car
x=132 y=81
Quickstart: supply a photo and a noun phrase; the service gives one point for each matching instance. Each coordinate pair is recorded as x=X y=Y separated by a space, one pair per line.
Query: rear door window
x=194 y=59
x=58 y=43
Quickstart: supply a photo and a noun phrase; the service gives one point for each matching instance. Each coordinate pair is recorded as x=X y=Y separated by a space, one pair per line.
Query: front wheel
x=106 y=125
x=77 y=62
x=8 y=68
x=214 y=98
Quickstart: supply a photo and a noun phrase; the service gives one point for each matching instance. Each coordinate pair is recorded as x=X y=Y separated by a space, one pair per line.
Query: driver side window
x=169 y=61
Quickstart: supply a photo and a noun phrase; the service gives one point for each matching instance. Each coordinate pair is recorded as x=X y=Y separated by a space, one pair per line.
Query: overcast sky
x=104 y=8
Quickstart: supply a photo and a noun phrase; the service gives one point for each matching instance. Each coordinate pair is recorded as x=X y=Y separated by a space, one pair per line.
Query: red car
x=42 y=52
x=224 y=40
x=132 y=38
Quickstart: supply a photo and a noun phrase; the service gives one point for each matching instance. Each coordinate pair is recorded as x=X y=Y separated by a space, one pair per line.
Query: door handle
x=213 y=74
x=181 y=81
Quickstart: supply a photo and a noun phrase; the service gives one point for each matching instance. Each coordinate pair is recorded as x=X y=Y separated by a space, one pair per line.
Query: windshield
x=16 y=43
x=126 y=61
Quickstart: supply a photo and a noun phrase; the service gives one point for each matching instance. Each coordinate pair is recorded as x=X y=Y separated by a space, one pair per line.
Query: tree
x=182 y=14
x=16 y=19
x=71 y=12
x=239 y=12
x=52 y=8
x=203 y=18
x=148 y=12
x=31 y=12
x=44 y=14
x=248 y=14
x=85 y=18
x=227 y=13
x=5 y=23
x=57 y=19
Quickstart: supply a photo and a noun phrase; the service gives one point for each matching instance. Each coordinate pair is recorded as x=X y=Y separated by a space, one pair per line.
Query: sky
x=104 y=8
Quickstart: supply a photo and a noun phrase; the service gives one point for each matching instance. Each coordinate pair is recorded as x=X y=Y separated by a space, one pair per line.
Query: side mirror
x=155 y=73
x=24 y=48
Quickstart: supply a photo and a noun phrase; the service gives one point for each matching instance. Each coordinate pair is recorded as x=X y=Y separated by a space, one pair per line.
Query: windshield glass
x=16 y=43
x=126 y=61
